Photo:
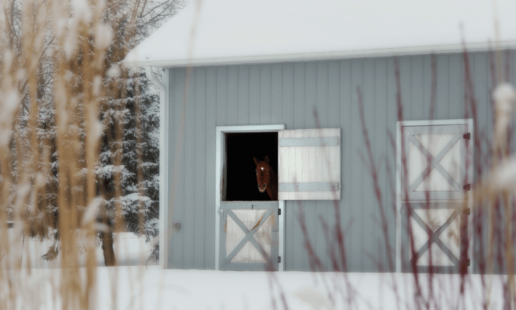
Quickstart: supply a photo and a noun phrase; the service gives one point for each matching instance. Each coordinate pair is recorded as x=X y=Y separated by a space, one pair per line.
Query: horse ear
x=267 y=160
x=255 y=161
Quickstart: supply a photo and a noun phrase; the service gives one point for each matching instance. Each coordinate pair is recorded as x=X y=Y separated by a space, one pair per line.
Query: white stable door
x=435 y=172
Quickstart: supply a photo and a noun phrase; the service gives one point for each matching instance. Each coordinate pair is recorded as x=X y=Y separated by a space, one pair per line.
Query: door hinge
x=466 y=187
x=279 y=259
x=466 y=211
x=466 y=136
x=279 y=211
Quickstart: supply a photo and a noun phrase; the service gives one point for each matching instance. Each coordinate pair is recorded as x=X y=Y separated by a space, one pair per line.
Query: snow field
x=129 y=251
x=150 y=288
x=153 y=288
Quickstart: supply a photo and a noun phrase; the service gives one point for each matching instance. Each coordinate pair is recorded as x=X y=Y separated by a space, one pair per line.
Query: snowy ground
x=152 y=288
x=129 y=251
x=149 y=288
x=196 y=289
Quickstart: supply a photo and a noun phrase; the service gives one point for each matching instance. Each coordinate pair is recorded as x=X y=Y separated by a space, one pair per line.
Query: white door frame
x=468 y=122
x=219 y=166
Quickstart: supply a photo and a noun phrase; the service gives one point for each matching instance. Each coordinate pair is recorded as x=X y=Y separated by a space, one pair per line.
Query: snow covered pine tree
x=128 y=95
x=131 y=115
x=138 y=111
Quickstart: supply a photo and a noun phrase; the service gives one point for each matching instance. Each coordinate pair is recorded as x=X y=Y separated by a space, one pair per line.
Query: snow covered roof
x=257 y=31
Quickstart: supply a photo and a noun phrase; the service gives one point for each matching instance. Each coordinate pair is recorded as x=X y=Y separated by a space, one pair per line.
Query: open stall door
x=249 y=233
x=309 y=164
x=435 y=170
x=248 y=225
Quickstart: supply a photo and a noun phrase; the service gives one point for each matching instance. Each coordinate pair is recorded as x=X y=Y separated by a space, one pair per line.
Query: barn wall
x=290 y=93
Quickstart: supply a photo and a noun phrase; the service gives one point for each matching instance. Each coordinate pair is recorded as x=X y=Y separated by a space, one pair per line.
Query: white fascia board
x=408 y=51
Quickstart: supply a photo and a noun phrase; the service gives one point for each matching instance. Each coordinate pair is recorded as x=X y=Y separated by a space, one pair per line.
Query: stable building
x=319 y=91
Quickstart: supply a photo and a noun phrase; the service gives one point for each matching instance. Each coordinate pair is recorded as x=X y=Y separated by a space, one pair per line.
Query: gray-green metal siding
x=289 y=93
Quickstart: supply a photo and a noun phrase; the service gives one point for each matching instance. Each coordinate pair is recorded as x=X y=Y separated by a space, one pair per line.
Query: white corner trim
x=163 y=164
x=219 y=166
x=150 y=75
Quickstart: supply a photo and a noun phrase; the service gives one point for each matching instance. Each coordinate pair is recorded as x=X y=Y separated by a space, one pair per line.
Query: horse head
x=263 y=174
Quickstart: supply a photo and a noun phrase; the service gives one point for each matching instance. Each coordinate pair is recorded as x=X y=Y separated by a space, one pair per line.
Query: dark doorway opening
x=241 y=184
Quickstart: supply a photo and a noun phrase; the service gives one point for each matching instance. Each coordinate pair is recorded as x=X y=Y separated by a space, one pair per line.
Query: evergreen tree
x=130 y=111
x=138 y=111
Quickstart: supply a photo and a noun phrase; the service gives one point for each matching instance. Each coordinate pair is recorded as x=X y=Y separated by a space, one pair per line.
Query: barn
x=370 y=120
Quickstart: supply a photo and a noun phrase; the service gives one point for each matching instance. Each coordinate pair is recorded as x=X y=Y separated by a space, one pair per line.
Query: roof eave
x=404 y=51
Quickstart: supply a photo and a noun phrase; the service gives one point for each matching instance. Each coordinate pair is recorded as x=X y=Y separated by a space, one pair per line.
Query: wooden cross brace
x=434 y=237
x=249 y=235
x=434 y=162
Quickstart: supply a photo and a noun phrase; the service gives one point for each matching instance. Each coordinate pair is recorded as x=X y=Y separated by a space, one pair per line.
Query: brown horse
x=267 y=178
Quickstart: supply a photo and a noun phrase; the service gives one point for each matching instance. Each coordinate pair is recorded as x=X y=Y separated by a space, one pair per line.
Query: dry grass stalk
x=73 y=39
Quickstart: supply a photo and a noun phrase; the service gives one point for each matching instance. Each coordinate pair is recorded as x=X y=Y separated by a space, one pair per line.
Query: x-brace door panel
x=434 y=234
x=436 y=160
x=249 y=235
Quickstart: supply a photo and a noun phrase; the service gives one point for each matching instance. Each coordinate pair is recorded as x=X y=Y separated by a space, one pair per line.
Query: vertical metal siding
x=345 y=95
x=288 y=93
x=209 y=203
x=357 y=173
x=189 y=222
x=310 y=207
x=321 y=207
x=177 y=80
x=369 y=208
x=379 y=140
x=333 y=122
x=389 y=187
x=199 y=185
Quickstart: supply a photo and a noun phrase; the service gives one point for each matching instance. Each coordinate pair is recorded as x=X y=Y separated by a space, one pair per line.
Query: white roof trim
x=266 y=31
x=319 y=56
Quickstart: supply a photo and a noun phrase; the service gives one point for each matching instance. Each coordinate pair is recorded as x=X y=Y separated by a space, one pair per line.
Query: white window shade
x=309 y=164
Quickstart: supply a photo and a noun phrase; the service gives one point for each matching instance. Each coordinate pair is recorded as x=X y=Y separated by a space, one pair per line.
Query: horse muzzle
x=262 y=190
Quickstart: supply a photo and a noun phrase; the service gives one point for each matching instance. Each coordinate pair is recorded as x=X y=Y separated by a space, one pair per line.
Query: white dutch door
x=309 y=164
x=249 y=232
x=435 y=174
